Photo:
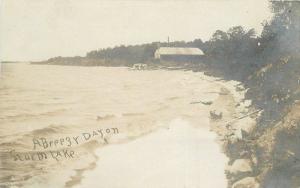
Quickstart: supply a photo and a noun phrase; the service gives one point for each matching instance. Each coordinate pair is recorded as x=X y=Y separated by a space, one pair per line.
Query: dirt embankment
x=264 y=147
x=279 y=157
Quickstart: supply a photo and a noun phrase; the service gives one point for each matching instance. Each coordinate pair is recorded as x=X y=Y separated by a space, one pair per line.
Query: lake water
x=58 y=122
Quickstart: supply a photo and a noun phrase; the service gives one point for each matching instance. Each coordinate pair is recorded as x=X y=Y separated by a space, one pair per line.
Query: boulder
x=240 y=165
x=216 y=114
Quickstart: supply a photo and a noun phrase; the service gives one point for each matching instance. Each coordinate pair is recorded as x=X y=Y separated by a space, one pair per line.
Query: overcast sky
x=39 y=29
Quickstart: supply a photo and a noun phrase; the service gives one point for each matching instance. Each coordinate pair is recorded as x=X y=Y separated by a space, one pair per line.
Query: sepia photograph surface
x=149 y=94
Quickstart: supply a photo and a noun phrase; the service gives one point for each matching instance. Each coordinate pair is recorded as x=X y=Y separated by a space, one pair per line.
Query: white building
x=174 y=53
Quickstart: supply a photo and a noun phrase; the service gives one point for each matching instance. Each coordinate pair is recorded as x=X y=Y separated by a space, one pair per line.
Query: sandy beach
x=165 y=136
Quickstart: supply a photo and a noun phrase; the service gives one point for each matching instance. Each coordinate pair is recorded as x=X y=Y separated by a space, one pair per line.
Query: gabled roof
x=178 y=51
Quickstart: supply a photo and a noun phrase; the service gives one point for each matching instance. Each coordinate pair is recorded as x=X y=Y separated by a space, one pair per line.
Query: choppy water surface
x=63 y=109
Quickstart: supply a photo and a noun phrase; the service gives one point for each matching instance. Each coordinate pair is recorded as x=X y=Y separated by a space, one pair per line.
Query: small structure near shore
x=139 y=66
x=178 y=54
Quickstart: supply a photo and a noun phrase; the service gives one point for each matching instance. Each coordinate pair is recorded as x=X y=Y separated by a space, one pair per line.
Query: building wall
x=181 y=58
